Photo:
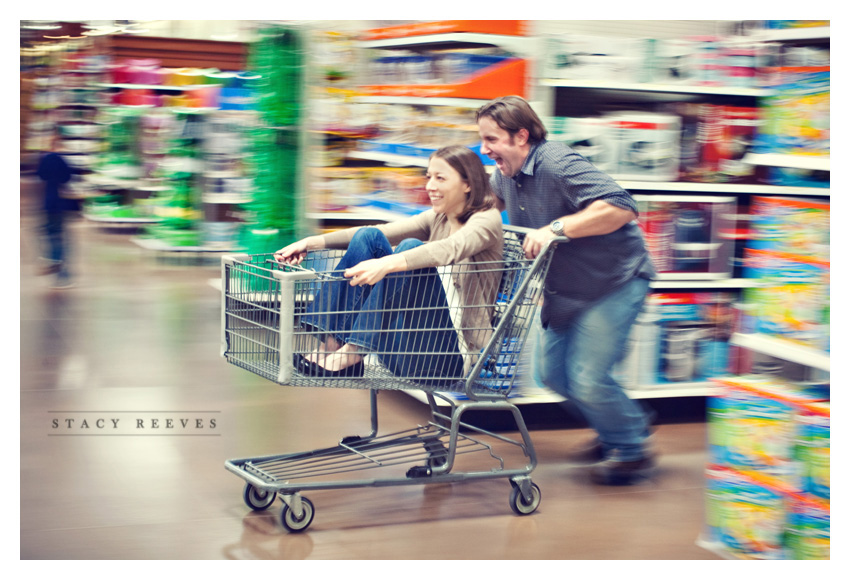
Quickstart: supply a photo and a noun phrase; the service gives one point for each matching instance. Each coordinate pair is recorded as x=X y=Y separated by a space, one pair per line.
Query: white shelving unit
x=548 y=89
x=545 y=396
x=793 y=161
x=656 y=88
x=792 y=34
x=430 y=101
x=783 y=349
x=552 y=88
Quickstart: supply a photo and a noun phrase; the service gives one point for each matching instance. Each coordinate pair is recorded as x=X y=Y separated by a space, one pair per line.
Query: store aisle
x=136 y=343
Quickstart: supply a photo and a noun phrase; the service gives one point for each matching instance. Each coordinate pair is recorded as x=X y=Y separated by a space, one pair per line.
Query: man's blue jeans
x=54 y=237
x=577 y=363
x=404 y=318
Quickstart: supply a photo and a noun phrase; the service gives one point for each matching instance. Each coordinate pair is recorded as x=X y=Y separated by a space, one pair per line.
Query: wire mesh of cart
x=454 y=333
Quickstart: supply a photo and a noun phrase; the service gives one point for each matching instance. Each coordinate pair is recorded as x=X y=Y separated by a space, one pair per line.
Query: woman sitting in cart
x=393 y=303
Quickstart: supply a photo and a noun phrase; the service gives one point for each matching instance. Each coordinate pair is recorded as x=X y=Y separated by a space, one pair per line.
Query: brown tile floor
x=138 y=338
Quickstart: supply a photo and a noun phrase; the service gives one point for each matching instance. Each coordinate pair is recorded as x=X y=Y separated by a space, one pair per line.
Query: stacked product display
x=277 y=145
x=768 y=482
x=789 y=255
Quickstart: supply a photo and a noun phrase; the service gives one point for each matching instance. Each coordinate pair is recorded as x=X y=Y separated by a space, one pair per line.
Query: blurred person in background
x=462 y=226
x=54 y=172
x=596 y=286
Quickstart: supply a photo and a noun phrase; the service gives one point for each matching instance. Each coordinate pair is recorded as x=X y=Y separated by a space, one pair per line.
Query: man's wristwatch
x=557 y=228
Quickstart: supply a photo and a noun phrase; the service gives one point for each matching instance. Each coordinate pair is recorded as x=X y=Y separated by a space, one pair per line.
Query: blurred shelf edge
x=656 y=87
x=811 y=162
x=783 y=349
x=791 y=34
x=545 y=396
x=517 y=44
x=682 y=186
x=730 y=188
x=160 y=246
x=430 y=101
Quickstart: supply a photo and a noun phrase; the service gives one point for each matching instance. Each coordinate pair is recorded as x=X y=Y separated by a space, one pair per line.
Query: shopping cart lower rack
x=275 y=317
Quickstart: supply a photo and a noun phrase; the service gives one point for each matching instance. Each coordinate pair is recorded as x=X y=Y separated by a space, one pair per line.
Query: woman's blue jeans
x=404 y=318
x=577 y=363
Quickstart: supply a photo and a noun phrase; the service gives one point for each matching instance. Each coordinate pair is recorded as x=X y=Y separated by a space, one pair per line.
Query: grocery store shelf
x=355 y=213
x=390 y=158
x=506 y=77
x=791 y=34
x=811 y=162
x=715 y=284
x=693 y=276
x=398 y=160
x=783 y=349
x=153 y=87
x=406 y=32
x=410 y=100
x=657 y=88
x=729 y=188
x=545 y=396
x=122 y=221
x=455 y=39
x=160 y=246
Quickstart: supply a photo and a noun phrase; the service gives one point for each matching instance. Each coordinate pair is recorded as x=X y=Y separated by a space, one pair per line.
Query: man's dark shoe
x=615 y=471
x=587 y=452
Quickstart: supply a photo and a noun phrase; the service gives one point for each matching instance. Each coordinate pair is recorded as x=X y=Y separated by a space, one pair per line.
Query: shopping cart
x=274 y=315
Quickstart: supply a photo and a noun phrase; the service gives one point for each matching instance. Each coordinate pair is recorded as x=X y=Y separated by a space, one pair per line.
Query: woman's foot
x=329 y=345
x=340 y=359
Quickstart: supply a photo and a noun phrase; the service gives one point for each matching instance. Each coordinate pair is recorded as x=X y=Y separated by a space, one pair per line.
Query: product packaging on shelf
x=391 y=188
x=678 y=338
x=645 y=145
x=689 y=235
x=813 y=450
x=746 y=516
x=768 y=443
x=797 y=112
x=773 y=427
x=587 y=136
x=808 y=530
x=793 y=226
x=791 y=300
x=626 y=144
x=714 y=141
x=583 y=57
x=694 y=334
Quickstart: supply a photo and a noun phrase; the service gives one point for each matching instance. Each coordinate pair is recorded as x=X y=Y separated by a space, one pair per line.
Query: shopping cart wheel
x=258 y=499
x=292 y=522
x=437 y=453
x=520 y=505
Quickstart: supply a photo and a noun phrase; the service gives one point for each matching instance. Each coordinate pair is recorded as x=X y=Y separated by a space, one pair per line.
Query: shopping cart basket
x=274 y=315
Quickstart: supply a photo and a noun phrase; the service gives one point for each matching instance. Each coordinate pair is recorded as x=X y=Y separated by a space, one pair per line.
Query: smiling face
x=508 y=151
x=446 y=188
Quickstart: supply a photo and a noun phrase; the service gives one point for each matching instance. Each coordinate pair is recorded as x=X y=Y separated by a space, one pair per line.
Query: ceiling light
x=41 y=25
x=101 y=31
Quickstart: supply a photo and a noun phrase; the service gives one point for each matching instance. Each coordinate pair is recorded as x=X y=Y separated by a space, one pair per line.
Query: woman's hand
x=295 y=252
x=370 y=272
